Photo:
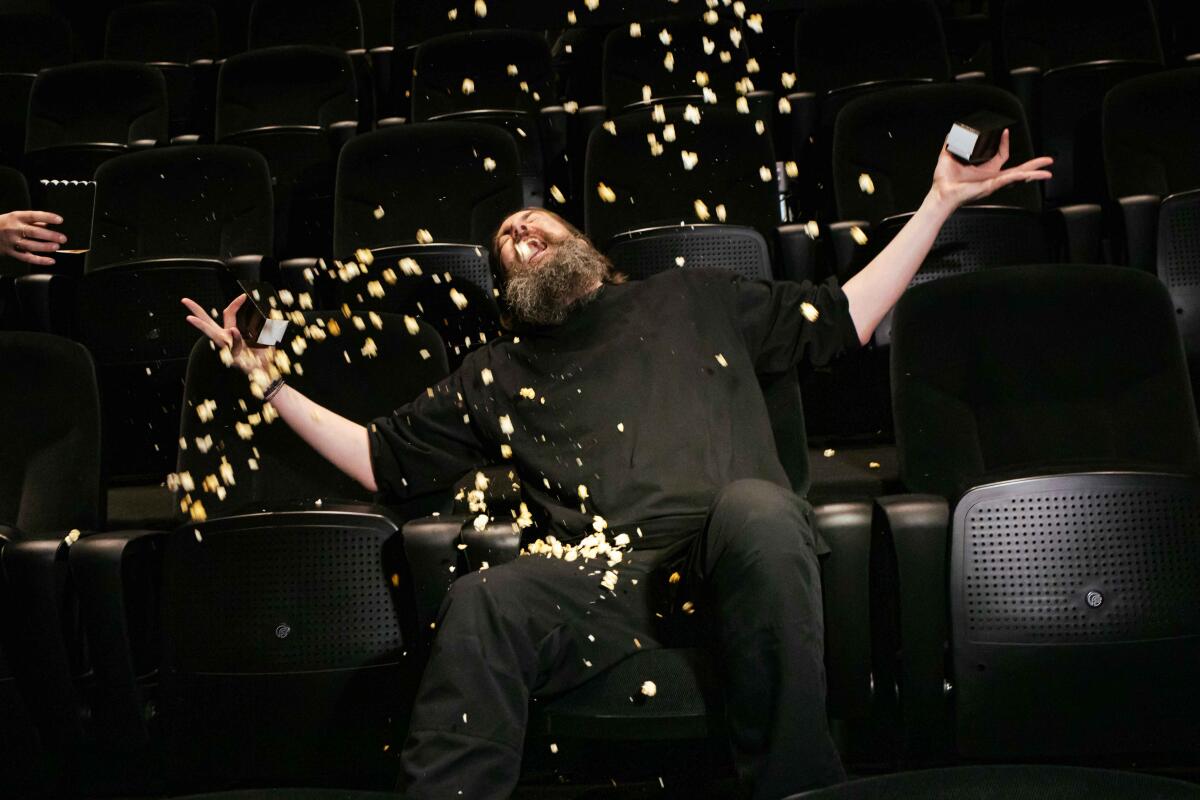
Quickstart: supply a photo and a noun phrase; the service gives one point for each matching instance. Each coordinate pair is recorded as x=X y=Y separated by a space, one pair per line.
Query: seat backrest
x=429 y=176
x=659 y=189
x=444 y=64
x=1048 y=35
x=287 y=85
x=14 y=196
x=204 y=201
x=895 y=137
x=843 y=43
x=275 y=465
x=632 y=62
x=50 y=473
x=115 y=102
x=1040 y=369
x=31 y=41
x=1150 y=134
x=167 y=31
x=337 y=23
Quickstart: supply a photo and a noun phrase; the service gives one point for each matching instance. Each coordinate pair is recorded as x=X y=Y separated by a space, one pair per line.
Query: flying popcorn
x=486 y=375
x=765 y=173
x=635 y=30
x=709 y=95
x=752 y=65
x=788 y=79
x=599 y=523
x=680 y=261
x=649 y=689
x=664 y=36
x=606 y=194
x=721 y=212
x=410 y=323
x=735 y=36
x=709 y=45
x=511 y=69
x=244 y=430
x=754 y=23
x=809 y=311
x=725 y=56
x=528 y=392
x=610 y=126
x=376 y=321
x=658 y=114
x=812 y=229
x=557 y=194
x=690 y=159
x=571 y=106
x=506 y=426
x=739 y=8
x=481 y=522
x=452 y=14
x=480 y=9
x=701 y=210
x=647 y=93
x=865 y=184
x=791 y=169
x=701 y=78
x=468 y=86
x=506 y=451
x=669 y=61
x=857 y=234
x=205 y=410
x=583 y=492
x=721 y=360
x=423 y=237
x=785 y=106
x=572 y=18
x=710 y=17
x=621 y=427
x=669 y=132
x=458 y=298
x=742 y=105
x=609 y=581
x=489 y=164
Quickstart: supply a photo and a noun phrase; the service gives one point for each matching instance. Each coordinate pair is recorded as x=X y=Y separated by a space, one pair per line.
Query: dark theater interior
x=599 y=399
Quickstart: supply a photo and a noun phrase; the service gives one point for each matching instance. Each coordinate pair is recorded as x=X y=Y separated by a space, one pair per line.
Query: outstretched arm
x=874 y=290
x=341 y=441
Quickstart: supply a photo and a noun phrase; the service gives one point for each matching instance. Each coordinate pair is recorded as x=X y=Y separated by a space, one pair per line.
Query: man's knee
x=761 y=517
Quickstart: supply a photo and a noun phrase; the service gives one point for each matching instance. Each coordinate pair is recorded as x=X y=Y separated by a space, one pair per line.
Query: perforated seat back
x=1178 y=265
x=443 y=63
x=653 y=190
x=1074 y=599
x=643 y=253
x=429 y=176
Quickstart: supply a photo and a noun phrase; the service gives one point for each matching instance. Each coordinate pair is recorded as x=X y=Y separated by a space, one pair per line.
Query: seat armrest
x=801 y=120
x=1082 y=228
x=117 y=576
x=341 y=132
x=46 y=303
x=493 y=544
x=390 y=122
x=1026 y=84
x=845 y=572
x=1139 y=226
x=431 y=549
x=909 y=615
x=848 y=255
x=797 y=252
x=973 y=76
x=186 y=138
x=299 y=274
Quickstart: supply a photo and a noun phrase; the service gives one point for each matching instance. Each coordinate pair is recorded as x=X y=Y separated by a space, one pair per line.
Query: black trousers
x=538 y=626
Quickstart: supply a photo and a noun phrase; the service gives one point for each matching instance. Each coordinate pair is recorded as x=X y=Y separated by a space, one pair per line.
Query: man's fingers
x=33 y=232
x=1035 y=163
x=229 y=316
x=30 y=258
x=39 y=247
x=35 y=217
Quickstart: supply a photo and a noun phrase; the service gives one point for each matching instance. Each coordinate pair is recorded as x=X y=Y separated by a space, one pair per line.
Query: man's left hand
x=956 y=183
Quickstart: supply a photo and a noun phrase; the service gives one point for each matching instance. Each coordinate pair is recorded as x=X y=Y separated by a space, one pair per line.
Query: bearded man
x=633 y=409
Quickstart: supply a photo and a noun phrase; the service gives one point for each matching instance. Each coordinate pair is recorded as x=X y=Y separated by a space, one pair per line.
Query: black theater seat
x=1054 y=528
x=181 y=40
x=30 y=41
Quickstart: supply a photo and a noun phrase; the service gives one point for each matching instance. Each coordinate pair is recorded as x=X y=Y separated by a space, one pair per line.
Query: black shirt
x=647 y=396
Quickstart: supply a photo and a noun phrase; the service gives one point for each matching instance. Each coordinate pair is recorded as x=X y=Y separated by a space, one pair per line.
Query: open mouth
x=531 y=251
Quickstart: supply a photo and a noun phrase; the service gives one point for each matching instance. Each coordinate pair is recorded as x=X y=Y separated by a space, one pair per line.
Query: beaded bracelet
x=273 y=389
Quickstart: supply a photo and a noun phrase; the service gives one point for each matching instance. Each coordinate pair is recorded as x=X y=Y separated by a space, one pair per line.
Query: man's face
x=528 y=239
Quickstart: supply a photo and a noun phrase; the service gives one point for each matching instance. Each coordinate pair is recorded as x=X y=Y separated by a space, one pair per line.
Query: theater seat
x=30 y=41
x=432 y=177
x=1007 y=783
x=1054 y=462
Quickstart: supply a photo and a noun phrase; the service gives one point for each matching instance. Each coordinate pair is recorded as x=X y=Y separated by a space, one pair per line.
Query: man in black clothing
x=631 y=410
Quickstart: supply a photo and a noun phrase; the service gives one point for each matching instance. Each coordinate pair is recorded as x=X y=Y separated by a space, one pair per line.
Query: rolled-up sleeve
x=425 y=445
x=787 y=323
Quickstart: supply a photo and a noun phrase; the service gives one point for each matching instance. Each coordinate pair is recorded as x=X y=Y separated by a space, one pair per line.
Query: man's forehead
x=527 y=213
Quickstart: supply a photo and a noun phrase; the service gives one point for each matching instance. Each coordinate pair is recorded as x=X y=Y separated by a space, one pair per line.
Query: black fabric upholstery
x=287 y=85
x=209 y=201
x=1035 y=33
x=1039 y=369
x=337 y=23
x=658 y=190
x=1151 y=127
x=98 y=101
x=426 y=176
x=1007 y=783
x=442 y=63
x=32 y=40
x=167 y=31
x=847 y=42
x=50 y=472
x=633 y=62
x=895 y=136
x=288 y=468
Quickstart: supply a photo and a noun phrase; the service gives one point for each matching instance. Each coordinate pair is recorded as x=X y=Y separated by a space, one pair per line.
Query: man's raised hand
x=957 y=183
x=248 y=359
x=24 y=235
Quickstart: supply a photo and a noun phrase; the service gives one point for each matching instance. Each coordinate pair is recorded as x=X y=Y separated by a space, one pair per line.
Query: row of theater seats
x=1031 y=593
x=793 y=70
x=188 y=220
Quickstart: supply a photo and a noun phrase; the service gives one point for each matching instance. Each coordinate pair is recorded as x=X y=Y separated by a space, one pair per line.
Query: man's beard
x=546 y=294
